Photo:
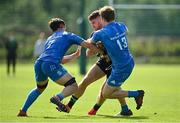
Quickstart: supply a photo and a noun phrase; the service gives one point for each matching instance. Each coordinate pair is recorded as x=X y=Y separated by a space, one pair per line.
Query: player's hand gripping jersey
x=103 y=52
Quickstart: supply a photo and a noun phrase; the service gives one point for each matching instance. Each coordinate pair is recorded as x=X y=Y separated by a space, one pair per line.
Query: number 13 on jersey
x=122 y=43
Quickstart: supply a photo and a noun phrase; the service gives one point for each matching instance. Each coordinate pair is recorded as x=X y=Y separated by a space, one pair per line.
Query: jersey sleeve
x=76 y=39
x=124 y=27
x=96 y=37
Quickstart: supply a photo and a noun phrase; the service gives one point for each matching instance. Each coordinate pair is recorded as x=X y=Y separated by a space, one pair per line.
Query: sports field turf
x=161 y=103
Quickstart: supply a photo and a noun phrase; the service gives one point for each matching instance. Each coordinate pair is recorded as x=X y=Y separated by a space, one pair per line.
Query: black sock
x=72 y=101
x=96 y=106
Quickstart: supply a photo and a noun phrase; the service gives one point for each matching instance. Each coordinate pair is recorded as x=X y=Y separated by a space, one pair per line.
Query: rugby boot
x=92 y=112
x=139 y=99
x=122 y=113
x=22 y=114
x=60 y=106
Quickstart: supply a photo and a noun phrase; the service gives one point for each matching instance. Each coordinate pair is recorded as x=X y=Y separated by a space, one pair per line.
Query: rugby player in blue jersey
x=101 y=68
x=113 y=37
x=48 y=65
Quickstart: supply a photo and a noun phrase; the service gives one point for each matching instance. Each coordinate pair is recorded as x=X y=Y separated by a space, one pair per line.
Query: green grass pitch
x=161 y=103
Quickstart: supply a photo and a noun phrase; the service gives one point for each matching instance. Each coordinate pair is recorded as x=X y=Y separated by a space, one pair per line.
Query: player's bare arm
x=89 y=53
x=96 y=48
x=100 y=48
x=71 y=57
x=90 y=45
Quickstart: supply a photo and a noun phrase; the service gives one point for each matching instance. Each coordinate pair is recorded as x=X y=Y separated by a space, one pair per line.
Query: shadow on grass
x=68 y=117
x=94 y=117
x=124 y=117
x=62 y=117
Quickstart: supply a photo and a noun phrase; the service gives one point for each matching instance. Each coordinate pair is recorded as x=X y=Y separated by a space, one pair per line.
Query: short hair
x=107 y=13
x=93 y=15
x=55 y=23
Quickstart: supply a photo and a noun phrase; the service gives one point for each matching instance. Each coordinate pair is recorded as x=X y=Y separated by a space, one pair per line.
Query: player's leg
x=70 y=87
x=8 y=64
x=113 y=92
x=106 y=67
x=99 y=102
x=92 y=75
x=59 y=75
x=124 y=110
x=69 y=83
x=137 y=95
x=14 y=64
x=42 y=82
x=32 y=96
x=116 y=79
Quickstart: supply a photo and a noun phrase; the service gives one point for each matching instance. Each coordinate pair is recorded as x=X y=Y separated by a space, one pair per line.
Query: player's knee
x=75 y=87
x=104 y=94
x=71 y=82
x=41 y=88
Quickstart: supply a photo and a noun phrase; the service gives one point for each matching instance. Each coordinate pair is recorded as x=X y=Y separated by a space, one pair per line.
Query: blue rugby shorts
x=44 y=69
x=118 y=76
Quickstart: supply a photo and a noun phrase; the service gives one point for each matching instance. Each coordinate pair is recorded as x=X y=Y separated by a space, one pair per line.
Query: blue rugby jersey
x=57 y=45
x=113 y=37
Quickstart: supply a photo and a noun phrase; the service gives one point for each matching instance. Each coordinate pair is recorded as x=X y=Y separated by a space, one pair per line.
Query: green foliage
x=165 y=60
x=156 y=48
x=28 y=18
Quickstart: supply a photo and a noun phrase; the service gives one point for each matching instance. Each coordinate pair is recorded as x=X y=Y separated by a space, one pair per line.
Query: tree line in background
x=155 y=30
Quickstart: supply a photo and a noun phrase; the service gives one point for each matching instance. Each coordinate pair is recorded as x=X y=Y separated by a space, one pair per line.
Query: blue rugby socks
x=133 y=93
x=124 y=108
x=61 y=96
x=33 y=95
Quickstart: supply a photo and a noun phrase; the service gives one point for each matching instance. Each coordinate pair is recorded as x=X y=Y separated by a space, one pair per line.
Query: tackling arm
x=91 y=46
x=72 y=56
x=100 y=48
x=89 y=52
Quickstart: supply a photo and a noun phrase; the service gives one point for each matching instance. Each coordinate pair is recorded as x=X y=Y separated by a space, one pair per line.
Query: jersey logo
x=52 y=67
x=113 y=82
x=59 y=73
